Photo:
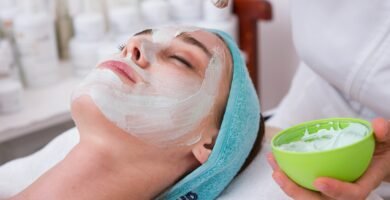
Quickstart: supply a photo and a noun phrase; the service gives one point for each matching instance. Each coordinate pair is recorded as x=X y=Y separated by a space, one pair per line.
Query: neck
x=132 y=175
x=109 y=164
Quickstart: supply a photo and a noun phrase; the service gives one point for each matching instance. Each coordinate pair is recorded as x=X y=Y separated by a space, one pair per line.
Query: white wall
x=278 y=59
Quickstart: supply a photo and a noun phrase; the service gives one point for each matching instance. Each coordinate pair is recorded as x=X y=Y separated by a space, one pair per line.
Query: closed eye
x=182 y=60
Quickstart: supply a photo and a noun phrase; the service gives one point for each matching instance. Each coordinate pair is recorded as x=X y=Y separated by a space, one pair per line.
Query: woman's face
x=179 y=64
x=162 y=85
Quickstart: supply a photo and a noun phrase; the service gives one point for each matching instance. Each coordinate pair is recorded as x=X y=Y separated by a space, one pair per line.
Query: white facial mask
x=166 y=34
x=160 y=110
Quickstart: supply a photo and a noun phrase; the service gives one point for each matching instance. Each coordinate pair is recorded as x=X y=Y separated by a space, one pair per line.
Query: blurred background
x=48 y=46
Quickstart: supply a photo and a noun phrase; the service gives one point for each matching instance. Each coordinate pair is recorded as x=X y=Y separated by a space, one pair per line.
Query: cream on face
x=158 y=110
x=327 y=139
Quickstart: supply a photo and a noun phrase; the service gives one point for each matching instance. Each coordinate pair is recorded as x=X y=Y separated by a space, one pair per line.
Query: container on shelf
x=35 y=38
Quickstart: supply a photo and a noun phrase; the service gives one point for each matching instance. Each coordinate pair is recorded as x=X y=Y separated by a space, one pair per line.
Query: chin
x=86 y=114
x=83 y=107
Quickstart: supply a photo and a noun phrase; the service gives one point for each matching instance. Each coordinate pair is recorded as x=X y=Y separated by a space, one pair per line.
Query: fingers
x=339 y=190
x=359 y=190
x=287 y=185
x=272 y=161
x=381 y=129
x=374 y=175
x=329 y=187
x=292 y=189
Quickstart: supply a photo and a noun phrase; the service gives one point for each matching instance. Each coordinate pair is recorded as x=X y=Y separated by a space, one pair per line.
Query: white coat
x=344 y=46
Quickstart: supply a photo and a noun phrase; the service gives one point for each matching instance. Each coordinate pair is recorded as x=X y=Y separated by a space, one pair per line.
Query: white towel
x=17 y=174
x=255 y=183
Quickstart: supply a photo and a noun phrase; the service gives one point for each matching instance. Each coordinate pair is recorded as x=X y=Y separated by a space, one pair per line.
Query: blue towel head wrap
x=235 y=139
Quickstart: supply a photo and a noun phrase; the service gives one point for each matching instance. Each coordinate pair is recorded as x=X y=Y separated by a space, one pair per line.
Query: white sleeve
x=309 y=98
x=349 y=48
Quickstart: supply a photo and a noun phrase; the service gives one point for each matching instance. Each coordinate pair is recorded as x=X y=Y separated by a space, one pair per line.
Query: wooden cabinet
x=249 y=13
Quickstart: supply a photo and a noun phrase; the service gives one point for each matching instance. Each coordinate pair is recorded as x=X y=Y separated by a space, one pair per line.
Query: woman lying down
x=173 y=116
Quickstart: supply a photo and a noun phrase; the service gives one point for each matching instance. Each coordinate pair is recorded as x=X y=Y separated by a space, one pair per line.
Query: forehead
x=214 y=44
x=210 y=40
x=165 y=35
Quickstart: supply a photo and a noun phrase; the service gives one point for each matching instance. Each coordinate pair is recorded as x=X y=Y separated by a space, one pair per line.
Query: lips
x=120 y=68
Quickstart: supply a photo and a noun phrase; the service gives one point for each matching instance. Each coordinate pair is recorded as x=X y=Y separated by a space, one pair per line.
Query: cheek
x=176 y=82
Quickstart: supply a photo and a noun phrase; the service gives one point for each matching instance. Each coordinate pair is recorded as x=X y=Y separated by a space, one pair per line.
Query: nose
x=134 y=49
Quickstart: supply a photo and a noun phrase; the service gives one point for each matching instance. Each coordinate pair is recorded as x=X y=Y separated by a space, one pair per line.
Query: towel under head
x=235 y=140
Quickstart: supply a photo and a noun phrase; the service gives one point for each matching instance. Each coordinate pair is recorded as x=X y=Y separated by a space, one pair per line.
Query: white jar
x=214 y=14
x=37 y=48
x=10 y=96
x=77 y=7
x=83 y=55
x=121 y=3
x=156 y=12
x=125 y=20
x=89 y=26
x=186 y=10
x=40 y=73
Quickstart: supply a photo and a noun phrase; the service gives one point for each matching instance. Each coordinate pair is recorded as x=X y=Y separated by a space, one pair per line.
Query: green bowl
x=345 y=163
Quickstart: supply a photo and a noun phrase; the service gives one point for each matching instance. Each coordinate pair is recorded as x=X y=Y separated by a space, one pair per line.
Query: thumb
x=381 y=129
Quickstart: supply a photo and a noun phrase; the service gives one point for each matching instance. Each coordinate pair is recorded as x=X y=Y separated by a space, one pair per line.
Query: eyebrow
x=185 y=37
